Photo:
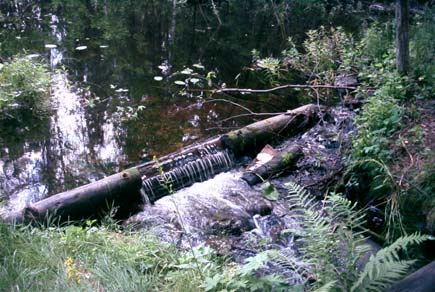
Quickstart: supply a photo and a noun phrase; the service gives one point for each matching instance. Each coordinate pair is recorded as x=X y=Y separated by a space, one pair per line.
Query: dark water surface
x=111 y=110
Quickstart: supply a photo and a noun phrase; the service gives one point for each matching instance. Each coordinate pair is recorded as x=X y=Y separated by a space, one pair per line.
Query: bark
x=252 y=138
x=118 y=190
x=402 y=36
x=282 y=161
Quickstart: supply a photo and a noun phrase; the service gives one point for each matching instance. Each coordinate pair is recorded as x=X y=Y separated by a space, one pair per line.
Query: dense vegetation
x=388 y=166
x=24 y=83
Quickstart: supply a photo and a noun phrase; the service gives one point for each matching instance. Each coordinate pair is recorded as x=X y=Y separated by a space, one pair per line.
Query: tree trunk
x=402 y=36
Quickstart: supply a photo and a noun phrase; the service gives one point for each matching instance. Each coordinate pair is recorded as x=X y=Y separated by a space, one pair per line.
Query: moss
x=287 y=158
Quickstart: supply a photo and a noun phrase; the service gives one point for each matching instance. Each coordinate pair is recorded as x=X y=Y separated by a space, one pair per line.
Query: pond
x=117 y=66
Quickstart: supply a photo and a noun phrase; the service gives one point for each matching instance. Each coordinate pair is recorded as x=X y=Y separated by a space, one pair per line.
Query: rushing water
x=114 y=99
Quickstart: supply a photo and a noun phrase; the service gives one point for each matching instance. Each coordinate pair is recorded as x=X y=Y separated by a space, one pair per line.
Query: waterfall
x=185 y=170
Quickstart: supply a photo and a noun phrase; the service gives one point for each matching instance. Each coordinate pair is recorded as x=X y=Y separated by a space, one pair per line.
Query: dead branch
x=297 y=86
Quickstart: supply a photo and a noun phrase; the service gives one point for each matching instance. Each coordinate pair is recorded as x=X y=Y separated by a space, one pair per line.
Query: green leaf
x=211 y=284
x=269 y=191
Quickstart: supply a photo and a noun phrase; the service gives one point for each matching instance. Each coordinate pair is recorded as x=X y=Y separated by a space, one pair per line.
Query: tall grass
x=75 y=258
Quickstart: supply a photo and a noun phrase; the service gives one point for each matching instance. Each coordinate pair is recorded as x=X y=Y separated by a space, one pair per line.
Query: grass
x=90 y=258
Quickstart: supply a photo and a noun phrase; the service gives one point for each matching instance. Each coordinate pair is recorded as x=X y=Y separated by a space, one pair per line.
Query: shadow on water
x=109 y=112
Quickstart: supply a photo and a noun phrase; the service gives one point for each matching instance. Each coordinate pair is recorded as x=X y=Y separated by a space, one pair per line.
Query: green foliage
x=88 y=258
x=269 y=191
x=245 y=278
x=324 y=53
x=24 y=83
x=422 y=52
x=333 y=244
x=384 y=268
x=377 y=42
x=379 y=119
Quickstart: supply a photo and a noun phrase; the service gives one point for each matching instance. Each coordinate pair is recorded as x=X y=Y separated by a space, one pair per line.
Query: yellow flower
x=72 y=272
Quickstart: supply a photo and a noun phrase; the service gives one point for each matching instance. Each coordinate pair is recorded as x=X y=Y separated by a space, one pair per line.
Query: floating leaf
x=187 y=71
x=81 y=48
x=179 y=82
x=194 y=80
x=269 y=191
x=199 y=66
x=158 y=78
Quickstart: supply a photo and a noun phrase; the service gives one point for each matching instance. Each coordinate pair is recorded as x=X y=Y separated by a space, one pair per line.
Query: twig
x=231 y=102
x=411 y=158
x=249 y=90
x=251 y=114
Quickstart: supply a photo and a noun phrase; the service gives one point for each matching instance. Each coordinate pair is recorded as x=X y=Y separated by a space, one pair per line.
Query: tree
x=402 y=36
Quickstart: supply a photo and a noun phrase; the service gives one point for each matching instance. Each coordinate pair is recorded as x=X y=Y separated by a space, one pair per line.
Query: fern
x=333 y=242
x=385 y=268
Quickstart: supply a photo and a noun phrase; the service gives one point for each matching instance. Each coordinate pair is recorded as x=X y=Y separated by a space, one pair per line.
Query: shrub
x=24 y=83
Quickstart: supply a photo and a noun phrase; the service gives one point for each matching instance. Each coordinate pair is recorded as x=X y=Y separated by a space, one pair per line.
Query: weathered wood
x=423 y=280
x=402 y=36
x=250 y=139
x=118 y=190
x=282 y=161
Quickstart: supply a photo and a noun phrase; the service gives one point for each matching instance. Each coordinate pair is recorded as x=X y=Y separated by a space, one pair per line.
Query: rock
x=423 y=280
x=222 y=206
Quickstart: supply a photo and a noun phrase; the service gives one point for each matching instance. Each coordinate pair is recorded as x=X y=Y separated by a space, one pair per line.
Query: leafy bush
x=325 y=52
x=379 y=119
x=24 y=83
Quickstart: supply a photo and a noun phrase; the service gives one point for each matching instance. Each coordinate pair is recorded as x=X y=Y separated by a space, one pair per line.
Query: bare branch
x=248 y=90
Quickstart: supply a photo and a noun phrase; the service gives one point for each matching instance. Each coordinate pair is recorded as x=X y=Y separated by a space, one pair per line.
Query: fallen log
x=282 y=161
x=251 y=139
x=119 y=190
x=131 y=187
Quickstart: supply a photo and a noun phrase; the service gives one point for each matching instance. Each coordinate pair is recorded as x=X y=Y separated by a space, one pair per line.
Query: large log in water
x=250 y=139
x=119 y=190
x=180 y=169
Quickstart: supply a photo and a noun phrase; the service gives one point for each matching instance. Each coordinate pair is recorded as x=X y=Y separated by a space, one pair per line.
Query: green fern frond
x=291 y=262
x=384 y=268
x=327 y=287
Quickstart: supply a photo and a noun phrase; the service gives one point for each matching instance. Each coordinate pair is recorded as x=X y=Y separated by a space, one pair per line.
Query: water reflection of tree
x=140 y=36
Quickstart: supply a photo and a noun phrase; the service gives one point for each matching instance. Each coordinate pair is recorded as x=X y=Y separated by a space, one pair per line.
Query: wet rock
x=223 y=206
